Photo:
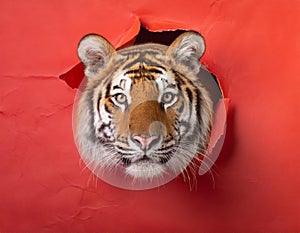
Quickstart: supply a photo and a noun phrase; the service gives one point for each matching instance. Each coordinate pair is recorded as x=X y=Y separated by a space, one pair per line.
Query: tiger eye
x=167 y=97
x=121 y=98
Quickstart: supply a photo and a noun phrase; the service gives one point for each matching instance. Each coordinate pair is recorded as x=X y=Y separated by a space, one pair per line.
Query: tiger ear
x=187 y=48
x=95 y=52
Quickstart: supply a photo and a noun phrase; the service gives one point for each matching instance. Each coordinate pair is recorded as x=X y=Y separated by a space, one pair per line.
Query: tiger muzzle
x=148 y=124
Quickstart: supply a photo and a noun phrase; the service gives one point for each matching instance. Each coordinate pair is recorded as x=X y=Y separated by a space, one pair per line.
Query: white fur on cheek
x=104 y=115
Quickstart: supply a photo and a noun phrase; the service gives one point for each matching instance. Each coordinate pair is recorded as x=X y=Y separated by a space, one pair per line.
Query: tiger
x=143 y=107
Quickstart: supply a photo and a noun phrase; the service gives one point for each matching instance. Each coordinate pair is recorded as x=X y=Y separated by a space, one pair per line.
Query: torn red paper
x=253 y=49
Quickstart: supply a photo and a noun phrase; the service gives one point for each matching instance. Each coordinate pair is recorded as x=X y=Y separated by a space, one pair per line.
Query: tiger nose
x=144 y=142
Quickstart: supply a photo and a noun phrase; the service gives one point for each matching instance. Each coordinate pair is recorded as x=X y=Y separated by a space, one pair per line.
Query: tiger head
x=143 y=107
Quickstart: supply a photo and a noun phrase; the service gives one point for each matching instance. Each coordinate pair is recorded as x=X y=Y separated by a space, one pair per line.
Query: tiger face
x=143 y=107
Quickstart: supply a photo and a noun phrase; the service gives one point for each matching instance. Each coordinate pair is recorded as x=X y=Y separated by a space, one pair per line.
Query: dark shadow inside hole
x=165 y=37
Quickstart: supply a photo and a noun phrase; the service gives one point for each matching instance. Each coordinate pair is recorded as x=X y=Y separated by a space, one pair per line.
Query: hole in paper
x=117 y=177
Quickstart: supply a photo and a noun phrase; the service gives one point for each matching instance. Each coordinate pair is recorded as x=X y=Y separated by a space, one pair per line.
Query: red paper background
x=253 y=48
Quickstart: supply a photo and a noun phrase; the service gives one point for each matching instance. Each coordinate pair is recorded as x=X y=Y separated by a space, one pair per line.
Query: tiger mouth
x=145 y=160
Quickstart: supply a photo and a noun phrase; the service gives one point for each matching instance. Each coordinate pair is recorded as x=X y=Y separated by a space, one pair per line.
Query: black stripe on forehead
x=143 y=57
x=143 y=50
x=142 y=71
x=146 y=61
x=135 y=78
